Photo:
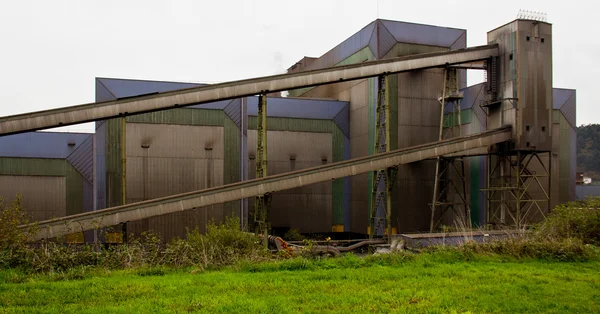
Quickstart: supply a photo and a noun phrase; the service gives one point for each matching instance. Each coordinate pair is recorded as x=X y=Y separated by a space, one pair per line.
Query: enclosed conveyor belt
x=192 y=200
x=197 y=95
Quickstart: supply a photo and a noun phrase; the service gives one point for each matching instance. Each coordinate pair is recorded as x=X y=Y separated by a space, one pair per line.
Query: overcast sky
x=51 y=51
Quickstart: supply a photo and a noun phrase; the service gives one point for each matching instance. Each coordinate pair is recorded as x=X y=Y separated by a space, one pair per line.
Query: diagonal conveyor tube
x=191 y=200
x=161 y=101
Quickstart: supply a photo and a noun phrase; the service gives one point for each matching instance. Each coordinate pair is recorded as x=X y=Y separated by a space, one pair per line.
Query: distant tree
x=588 y=150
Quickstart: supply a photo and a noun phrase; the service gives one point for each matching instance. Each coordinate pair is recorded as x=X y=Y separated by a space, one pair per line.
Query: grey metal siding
x=306 y=208
x=168 y=159
x=43 y=196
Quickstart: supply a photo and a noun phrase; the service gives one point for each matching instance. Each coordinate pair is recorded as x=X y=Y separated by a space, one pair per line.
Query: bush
x=11 y=217
x=578 y=220
x=224 y=245
x=566 y=250
x=13 y=240
x=57 y=257
x=570 y=233
x=293 y=235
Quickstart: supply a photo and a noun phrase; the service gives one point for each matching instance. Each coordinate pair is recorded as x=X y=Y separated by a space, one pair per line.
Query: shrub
x=224 y=244
x=579 y=220
x=293 y=235
x=11 y=217
x=57 y=257
x=13 y=240
x=566 y=250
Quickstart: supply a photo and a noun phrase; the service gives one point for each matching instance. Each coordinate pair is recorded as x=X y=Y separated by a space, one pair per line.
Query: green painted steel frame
x=261 y=202
x=382 y=145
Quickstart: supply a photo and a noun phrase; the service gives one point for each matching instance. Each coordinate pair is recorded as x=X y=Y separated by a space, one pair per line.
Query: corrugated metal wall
x=47 y=157
x=30 y=168
x=168 y=159
x=184 y=144
x=567 y=150
x=307 y=208
x=526 y=75
x=290 y=138
x=43 y=196
x=415 y=110
x=285 y=114
x=418 y=123
x=165 y=159
x=565 y=142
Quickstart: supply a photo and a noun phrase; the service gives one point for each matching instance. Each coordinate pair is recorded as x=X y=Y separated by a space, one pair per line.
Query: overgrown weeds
x=222 y=245
x=566 y=250
x=570 y=233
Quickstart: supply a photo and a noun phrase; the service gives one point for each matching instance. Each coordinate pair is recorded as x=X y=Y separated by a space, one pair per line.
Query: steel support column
x=123 y=161
x=261 y=204
x=380 y=216
x=124 y=172
x=449 y=188
x=518 y=187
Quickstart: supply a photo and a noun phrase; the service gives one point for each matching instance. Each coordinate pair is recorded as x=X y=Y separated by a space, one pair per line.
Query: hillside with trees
x=588 y=150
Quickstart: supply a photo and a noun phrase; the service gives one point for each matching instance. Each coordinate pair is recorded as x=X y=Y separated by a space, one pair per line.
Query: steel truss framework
x=518 y=186
x=380 y=212
x=262 y=202
x=449 y=188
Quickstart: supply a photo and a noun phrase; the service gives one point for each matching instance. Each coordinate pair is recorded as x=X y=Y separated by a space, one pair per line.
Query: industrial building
x=198 y=147
x=206 y=144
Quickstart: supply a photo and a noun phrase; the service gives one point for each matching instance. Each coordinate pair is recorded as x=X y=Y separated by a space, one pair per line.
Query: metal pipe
x=359 y=244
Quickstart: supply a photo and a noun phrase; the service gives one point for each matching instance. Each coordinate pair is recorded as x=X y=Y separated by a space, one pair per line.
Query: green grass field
x=419 y=285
